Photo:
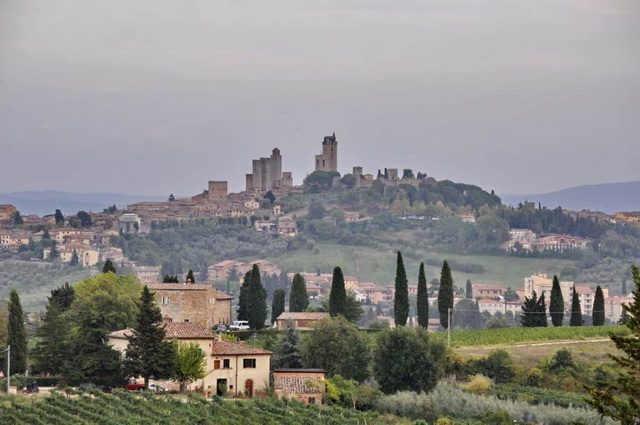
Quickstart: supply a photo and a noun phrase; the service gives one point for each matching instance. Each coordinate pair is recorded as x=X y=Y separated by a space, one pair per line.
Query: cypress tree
x=529 y=309
x=277 y=305
x=108 y=267
x=242 y=297
x=401 y=298
x=190 y=277
x=338 y=295
x=469 y=293
x=17 y=335
x=148 y=354
x=298 y=298
x=624 y=287
x=256 y=300
x=576 y=313
x=422 y=299
x=74 y=259
x=541 y=312
x=556 y=303
x=445 y=295
x=598 y=308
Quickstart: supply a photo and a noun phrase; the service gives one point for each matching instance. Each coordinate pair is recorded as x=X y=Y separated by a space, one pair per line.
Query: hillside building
x=267 y=174
x=328 y=160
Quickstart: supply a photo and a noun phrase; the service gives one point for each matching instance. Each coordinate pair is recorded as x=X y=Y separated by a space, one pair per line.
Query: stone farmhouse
x=192 y=303
x=304 y=385
x=232 y=367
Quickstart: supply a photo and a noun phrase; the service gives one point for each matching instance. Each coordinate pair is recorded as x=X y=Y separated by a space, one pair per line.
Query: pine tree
x=59 y=217
x=190 y=278
x=109 y=267
x=624 y=287
x=16 y=335
x=620 y=400
x=52 y=348
x=401 y=298
x=598 y=308
x=445 y=295
x=576 y=313
x=422 y=302
x=532 y=316
x=277 y=305
x=469 y=293
x=556 y=303
x=256 y=300
x=148 y=354
x=298 y=298
x=286 y=354
x=338 y=295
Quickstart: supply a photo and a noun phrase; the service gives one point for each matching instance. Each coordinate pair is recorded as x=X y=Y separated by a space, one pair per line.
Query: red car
x=134 y=386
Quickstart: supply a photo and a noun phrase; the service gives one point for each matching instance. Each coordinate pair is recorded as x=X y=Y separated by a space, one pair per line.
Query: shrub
x=533 y=377
x=498 y=366
x=479 y=384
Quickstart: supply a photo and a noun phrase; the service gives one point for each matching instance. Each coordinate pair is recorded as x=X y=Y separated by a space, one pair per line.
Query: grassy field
x=369 y=264
x=511 y=336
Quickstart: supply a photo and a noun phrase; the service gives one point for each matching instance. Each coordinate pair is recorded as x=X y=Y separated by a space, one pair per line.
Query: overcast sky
x=153 y=97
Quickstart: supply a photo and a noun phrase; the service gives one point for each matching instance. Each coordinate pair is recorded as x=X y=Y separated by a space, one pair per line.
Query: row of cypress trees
x=534 y=311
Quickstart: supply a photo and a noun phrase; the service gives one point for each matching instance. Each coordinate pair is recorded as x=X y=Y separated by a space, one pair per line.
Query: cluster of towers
x=267 y=172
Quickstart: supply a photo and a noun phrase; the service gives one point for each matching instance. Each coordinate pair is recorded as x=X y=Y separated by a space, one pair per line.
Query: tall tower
x=328 y=161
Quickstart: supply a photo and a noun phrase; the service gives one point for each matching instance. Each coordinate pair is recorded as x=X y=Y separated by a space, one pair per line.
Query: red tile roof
x=186 y=330
x=222 y=348
x=302 y=316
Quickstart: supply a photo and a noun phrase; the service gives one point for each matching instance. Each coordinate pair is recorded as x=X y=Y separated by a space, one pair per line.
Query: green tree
x=405 y=360
x=17 y=218
x=466 y=315
x=17 y=335
x=91 y=358
x=74 y=259
x=148 y=354
x=353 y=310
x=316 y=211
x=114 y=297
x=422 y=303
x=59 y=217
x=52 y=347
x=401 y=297
x=286 y=354
x=469 y=290
x=533 y=311
x=598 y=307
x=85 y=219
x=298 y=298
x=190 y=364
x=498 y=366
x=556 y=303
x=338 y=347
x=109 y=267
x=190 y=277
x=277 y=305
x=576 y=312
x=445 y=295
x=338 y=295
x=255 y=299
x=620 y=400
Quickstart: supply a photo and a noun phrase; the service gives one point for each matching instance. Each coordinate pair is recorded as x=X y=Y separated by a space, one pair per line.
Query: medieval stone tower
x=328 y=161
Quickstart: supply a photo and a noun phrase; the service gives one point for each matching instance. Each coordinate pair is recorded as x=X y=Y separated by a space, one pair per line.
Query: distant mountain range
x=47 y=201
x=608 y=198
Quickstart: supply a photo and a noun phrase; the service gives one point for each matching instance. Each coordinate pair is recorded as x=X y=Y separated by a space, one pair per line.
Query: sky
x=156 y=96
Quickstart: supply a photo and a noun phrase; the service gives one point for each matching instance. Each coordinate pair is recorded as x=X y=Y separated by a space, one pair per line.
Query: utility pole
x=449 y=327
x=8 y=351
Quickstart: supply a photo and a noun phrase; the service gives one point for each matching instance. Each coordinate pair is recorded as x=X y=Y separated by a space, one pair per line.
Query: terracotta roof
x=222 y=348
x=583 y=289
x=223 y=296
x=487 y=286
x=180 y=286
x=302 y=316
x=178 y=330
x=298 y=384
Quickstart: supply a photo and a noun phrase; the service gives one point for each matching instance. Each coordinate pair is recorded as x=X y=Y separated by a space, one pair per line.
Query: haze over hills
x=608 y=197
x=47 y=201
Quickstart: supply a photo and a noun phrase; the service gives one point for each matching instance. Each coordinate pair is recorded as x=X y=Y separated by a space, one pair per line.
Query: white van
x=239 y=325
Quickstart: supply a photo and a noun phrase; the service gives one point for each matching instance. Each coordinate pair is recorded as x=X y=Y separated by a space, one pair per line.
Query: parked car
x=221 y=328
x=239 y=325
x=133 y=385
x=157 y=388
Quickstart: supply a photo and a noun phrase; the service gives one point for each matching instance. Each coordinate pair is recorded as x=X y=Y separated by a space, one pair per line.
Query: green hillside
x=369 y=264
